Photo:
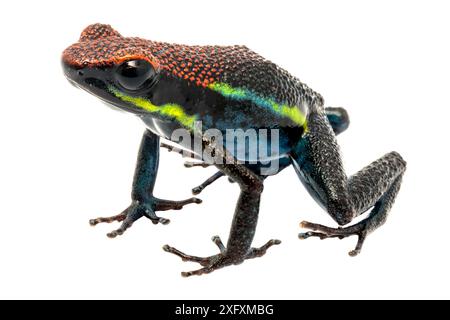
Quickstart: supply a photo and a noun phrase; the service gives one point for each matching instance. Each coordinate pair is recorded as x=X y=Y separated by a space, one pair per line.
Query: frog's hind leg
x=191 y=164
x=245 y=218
x=185 y=153
x=363 y=192
x=196 y=190
x=144 y=204
x=318 y=164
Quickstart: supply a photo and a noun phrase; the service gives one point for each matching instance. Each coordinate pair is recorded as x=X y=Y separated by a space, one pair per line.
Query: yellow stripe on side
x=169 y=109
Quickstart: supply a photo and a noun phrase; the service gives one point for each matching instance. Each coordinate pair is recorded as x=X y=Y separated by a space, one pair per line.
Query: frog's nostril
x=80 y=73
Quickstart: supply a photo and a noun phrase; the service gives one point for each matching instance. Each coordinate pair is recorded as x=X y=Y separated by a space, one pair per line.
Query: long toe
x=359 y=229
x=184 y=256
x=163 y=205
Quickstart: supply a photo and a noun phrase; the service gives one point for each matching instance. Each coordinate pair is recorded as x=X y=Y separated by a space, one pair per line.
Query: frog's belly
x=257 y=149
x=249 y=147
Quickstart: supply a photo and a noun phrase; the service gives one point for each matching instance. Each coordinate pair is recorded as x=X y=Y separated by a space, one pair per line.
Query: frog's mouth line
x=99 y=89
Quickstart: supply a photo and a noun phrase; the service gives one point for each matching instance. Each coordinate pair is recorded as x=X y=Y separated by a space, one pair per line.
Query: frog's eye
x=134 y=74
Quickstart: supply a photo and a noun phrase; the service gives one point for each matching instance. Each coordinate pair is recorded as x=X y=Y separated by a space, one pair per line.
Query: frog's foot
x=360 y=229
x=218 y=261
x=139 y=209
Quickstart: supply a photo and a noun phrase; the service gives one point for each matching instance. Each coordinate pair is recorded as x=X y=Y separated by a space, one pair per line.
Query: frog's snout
x=72 y=74
x=84 y=78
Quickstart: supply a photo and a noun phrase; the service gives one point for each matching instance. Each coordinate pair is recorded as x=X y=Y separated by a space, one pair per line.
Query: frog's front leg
x=144 y=204
x=317 y=162
x=243 y=227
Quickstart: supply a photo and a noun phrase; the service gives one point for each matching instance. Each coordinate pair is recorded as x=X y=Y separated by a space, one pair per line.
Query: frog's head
x=111 y=67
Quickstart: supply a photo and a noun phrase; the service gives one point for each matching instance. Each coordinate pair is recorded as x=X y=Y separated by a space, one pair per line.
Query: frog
x=172 y=87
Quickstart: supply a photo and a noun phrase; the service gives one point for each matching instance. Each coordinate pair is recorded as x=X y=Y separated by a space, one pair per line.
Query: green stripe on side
x=291 y=112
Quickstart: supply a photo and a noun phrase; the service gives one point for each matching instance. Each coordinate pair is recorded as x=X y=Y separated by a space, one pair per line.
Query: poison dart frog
x=174 y=87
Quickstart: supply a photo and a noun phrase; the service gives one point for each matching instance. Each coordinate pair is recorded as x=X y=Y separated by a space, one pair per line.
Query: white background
x=66 y=158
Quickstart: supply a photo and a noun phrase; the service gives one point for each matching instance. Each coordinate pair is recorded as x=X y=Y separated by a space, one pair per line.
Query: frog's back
x=261 y=94
x=234 y=67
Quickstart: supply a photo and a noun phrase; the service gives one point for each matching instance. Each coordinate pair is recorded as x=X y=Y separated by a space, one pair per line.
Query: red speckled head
x=100 y=45
x=97 y=31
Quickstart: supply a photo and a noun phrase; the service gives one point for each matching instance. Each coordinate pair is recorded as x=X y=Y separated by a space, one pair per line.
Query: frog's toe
x=207 y=182
x=203 y=261
x=320 y=235
x=130 y=215
x=184 y=256
x=220 y=260
x=191 y=164
x=139 y=209
x=163 y=205
x=119 y=217
x=209 y=264
x=359 y=229
x=259 y=252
